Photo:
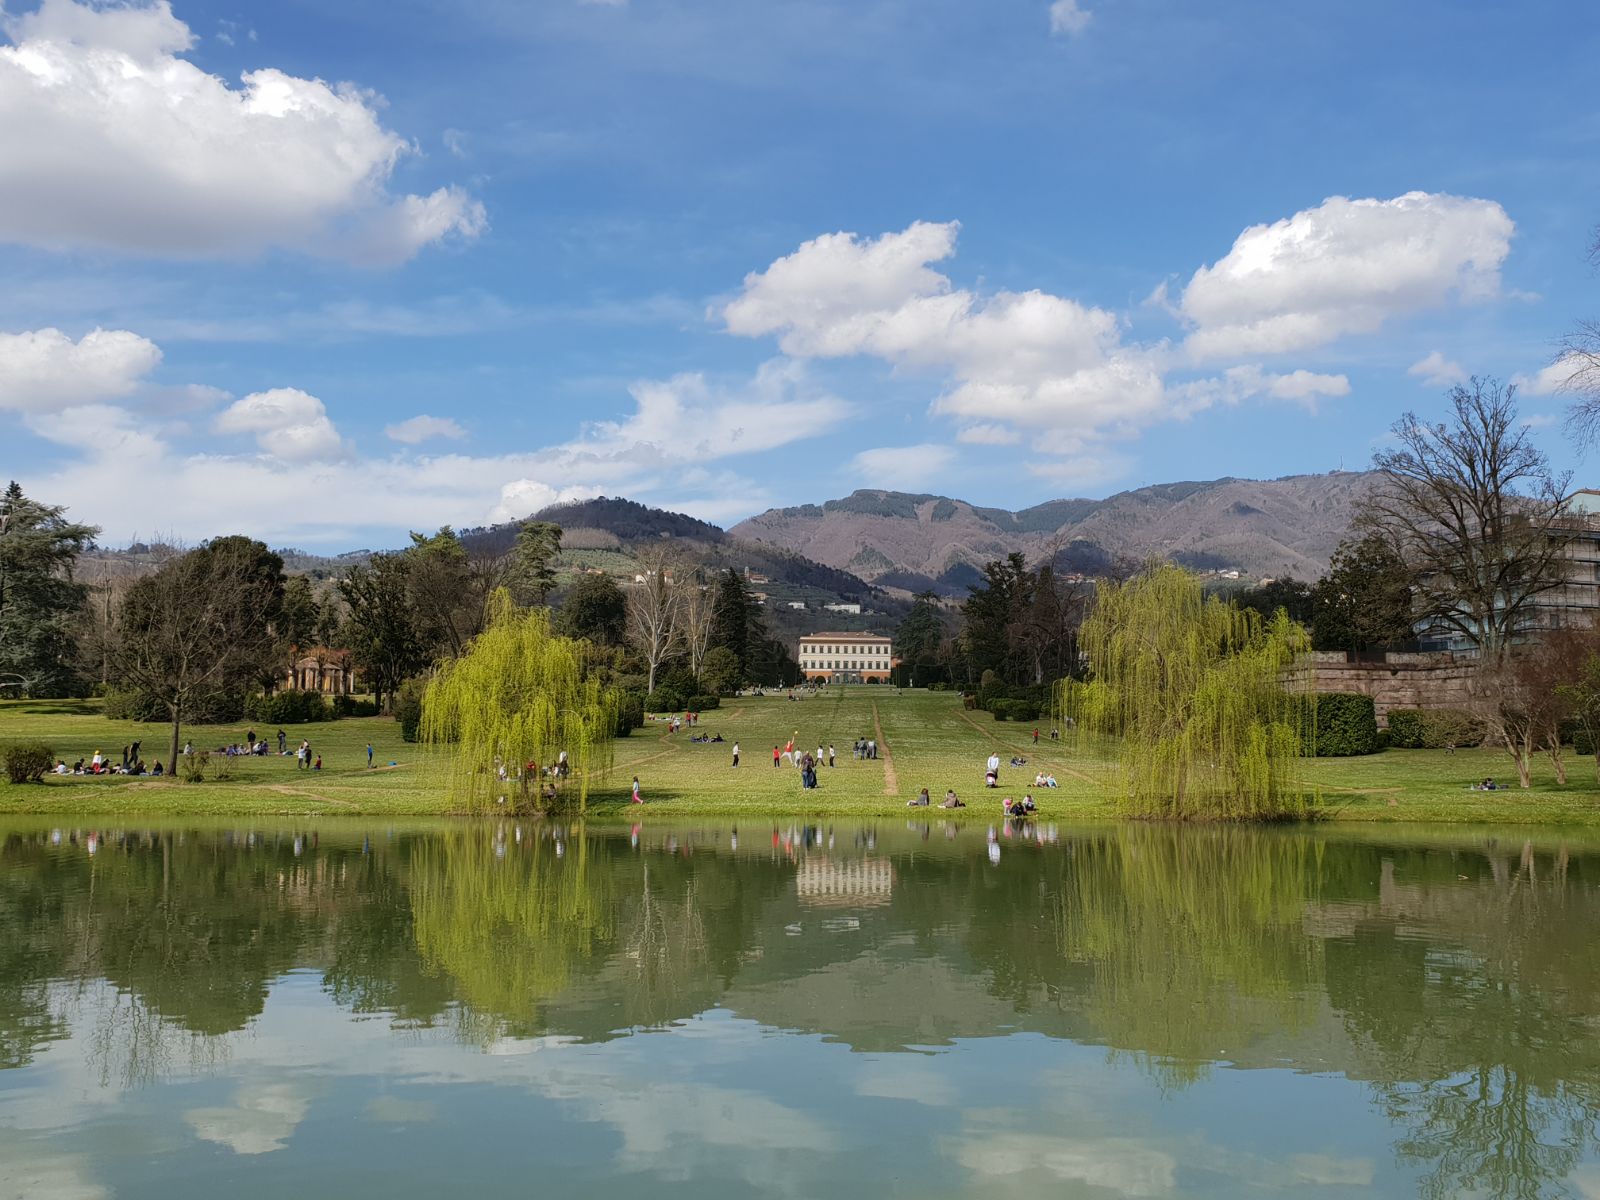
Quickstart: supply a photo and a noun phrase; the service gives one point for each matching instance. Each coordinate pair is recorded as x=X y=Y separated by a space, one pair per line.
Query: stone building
x=847 y=657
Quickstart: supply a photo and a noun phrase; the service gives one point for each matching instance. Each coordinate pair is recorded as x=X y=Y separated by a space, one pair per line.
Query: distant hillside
x=1260 y=528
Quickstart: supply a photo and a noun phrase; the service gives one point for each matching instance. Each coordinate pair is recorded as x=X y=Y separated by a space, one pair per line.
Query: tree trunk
x=177 y=727
x=1559 y=762
x=1522 y=752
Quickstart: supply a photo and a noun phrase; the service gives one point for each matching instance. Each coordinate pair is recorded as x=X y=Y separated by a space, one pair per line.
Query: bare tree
x=1472 y=508
x=1578 y=371
x=198 y=627
x=697 y=617
x=1524 y=703
x=654 y=625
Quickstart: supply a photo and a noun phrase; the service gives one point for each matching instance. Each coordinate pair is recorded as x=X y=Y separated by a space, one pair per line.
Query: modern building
x=847 y=657
x=1576 y=604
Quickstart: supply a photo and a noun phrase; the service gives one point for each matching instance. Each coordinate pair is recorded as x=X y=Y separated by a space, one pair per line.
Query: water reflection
x=1450 y=978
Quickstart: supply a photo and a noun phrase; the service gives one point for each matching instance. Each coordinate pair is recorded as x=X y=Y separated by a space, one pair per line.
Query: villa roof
x=856 y=637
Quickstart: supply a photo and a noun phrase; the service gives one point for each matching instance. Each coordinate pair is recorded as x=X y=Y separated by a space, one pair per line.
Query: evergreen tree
x=737 y=617
x=533 y=558
x=918 y=641
x=382 y=632
x=298 y=626
x=595 y=608
x=1365 y=599
x=39 y=599
x=1292 y=595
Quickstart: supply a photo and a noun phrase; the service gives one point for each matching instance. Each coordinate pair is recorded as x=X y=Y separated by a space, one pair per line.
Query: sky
x=323 y=274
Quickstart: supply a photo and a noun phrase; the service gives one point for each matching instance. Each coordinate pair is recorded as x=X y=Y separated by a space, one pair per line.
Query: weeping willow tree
x=511 y=704
x=1194 y=689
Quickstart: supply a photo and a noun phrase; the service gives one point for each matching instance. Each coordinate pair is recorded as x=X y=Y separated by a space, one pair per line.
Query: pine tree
x=39 y=599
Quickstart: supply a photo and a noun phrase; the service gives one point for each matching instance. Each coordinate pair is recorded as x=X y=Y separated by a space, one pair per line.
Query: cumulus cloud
x=1437 y=371
x=1067 y=17
x=1023 y=358
x=288 y=424
x=1344 y=267
x=109 y=137
x=420 y=429
x=45 y=371
x=1547 y=381
x=989 y=435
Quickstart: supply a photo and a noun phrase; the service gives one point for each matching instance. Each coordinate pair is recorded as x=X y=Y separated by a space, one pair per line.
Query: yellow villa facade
x=847 y=657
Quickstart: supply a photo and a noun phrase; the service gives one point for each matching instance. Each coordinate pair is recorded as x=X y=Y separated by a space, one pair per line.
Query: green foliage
x=1405 y=728
x=1365 y=598
x=27 y=762
x=737 y=623
x=408 y=708
x=533 y=557
x=919 y=641
x=594 y=608
x=1291 y=595
x=297 y=623
x=630 y=712
x=664 y=700
x=131 y=704
x=289 y=707
x=383 y=633
x=1346 y=725
x=722 y=673
x=1433 y=728
x=1021 y=624
x=349 y=706
x=1194 y=689
x=39 y=600
x=520 y=694
x=1583 y=743
x=702 y=703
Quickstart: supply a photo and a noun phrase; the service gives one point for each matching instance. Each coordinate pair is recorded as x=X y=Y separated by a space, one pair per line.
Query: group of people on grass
x=1024 y=807
x=100 y=765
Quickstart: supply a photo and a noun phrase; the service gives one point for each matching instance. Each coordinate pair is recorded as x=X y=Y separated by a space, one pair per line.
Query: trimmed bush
x=664 y=700
x=1000 y=710
x=1583 y=744
x=349 y=706
x=288 y=708
x=702 y=703
x=1445 y=727
x=1347 y=725
x=1405 y=728
x=129 y=705
x=27 y=762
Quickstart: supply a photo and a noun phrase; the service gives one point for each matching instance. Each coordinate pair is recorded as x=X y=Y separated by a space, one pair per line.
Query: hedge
x=663 y=700
x=1347 y=725
x=288 y=708
x=1433 y=728
x=701 y=703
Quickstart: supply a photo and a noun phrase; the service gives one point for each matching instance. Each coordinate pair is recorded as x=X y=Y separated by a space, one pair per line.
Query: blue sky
x=326 y=273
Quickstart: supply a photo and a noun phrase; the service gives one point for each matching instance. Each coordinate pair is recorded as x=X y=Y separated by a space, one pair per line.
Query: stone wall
x=1399 y=681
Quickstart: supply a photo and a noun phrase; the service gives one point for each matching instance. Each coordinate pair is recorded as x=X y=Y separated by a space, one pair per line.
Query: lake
x=277 y=1008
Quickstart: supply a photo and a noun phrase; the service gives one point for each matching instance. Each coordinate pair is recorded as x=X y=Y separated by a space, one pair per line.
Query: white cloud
x=1547 y=381
x=1437 y=371
x=989 y=435
x=262 y=1118
x=906 y=468
x=287 y=423
x=109 y=137
x=1344 y=267
x=1066 y=17
x=419 y=429
x=44 y=370
x=1024 y=358
x=1251 y=381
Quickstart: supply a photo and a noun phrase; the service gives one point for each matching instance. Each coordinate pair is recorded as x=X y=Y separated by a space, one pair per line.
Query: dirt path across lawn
x=891 y=781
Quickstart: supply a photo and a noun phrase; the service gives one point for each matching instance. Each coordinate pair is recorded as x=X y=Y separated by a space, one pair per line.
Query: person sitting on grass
x=920 y=800
x=950 y=800
x=1028 y=805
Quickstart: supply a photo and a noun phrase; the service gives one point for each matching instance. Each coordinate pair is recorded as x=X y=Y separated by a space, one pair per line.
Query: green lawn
x=930 y=741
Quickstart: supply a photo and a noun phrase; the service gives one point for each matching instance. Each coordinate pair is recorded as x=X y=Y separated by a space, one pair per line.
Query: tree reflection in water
x=1454 y=976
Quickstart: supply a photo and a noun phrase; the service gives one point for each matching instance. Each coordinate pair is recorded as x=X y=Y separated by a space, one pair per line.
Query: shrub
x=126 y=704
x=630 y=712
x=1347 y=724
x=1582 y=743
x=349 y=706
x=193 y=768
x=664 y=700
x=288 y=708
x=1405 y=728
x=701 y=703
x=1443 y=727
x=27 y=762
x=1000 y=710
x=408 y=708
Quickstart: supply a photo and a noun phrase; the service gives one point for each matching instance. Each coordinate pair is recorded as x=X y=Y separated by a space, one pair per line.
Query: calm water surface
x=278 y=1009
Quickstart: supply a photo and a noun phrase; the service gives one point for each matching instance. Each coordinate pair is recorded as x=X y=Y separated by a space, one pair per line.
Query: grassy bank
x=927 y=740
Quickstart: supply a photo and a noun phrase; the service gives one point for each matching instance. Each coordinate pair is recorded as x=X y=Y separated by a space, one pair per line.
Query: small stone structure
x=319 y=669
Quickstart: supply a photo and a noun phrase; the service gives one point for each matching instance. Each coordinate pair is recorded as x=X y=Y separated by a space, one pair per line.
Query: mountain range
x=1259 y=528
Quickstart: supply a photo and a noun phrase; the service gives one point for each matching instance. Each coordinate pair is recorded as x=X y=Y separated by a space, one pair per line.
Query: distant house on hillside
x=854 y=609
x=800 y=604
